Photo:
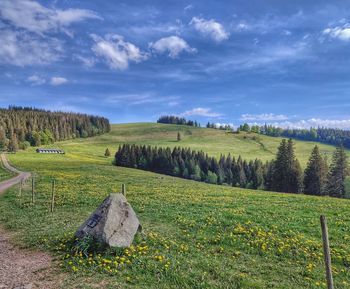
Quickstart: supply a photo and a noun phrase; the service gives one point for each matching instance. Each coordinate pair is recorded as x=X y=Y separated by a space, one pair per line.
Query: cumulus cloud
x=25 y=31
x=263 y=116
x=21 y=49
x=173 y=45
x=57 y=80
x=32 y=16
x=36 y=80
x=339 y=32
x=116 y=52
x=200 y=111
x=312 y=122
x=210 y=28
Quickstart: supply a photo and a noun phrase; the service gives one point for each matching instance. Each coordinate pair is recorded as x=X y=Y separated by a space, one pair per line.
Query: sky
x=274 y=61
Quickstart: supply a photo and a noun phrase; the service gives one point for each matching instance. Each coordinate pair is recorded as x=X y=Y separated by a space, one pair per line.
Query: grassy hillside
x=211 y=141
x=195 y=235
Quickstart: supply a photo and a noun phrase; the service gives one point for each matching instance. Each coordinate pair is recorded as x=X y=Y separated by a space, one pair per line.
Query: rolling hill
x=195 y=235
x=212 y=141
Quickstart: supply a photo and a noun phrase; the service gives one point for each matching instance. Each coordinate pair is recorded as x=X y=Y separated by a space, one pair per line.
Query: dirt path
x=15 y=180
x=19 y=268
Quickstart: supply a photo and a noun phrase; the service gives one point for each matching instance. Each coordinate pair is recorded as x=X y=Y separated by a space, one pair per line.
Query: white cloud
x=188 y=7
x=86 y=61
x=36 y=80
x=21 y=49
x=57 y=80
x=267 y=57
x=172 y=44
x=32 y=16
x=242 y=26
x=200 y=111
x=210 y=28
x=116 y=52
x=263 y=116
x=141 y=98
x=218 y=125
x=342 y=33
x=312 y=122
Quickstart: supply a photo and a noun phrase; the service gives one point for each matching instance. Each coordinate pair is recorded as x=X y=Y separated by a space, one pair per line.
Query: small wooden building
x=49 y=151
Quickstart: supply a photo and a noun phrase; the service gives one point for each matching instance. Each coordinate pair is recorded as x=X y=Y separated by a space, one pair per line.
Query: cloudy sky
x=276 y=61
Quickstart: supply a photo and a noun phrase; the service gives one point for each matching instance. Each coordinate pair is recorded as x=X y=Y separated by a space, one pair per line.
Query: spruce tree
x=178 y=136
x=294 y=171
x=257 y=175
x=315 y=174
x=279 y=177
x=3 y=140
x=335 y=186
x=107 y=153
x=13 y=144
x=287 y=174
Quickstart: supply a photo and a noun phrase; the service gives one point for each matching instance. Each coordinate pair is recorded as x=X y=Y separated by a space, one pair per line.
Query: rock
x=114 y=223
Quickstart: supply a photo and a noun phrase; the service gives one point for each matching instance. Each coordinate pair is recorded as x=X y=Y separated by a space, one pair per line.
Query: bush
x=24 y=145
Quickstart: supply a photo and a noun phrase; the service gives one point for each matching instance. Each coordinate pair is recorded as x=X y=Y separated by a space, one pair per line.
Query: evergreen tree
x=212 y=178
x=13 y=144
x=178 y=136
x=257 y=179
x=287 y=175
x=107 y=153
x=335 y=186
x=294 y=170
x=279 y=177
x=3 y=140
x=315 y=174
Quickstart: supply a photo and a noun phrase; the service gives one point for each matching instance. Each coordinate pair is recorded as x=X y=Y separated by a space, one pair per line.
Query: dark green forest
x=283 y=174
x=333 y=136
x=21 y=127
x=170 y=119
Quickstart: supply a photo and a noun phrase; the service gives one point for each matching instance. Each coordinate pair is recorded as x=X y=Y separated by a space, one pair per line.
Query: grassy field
x=195 y=235
x=212 y=141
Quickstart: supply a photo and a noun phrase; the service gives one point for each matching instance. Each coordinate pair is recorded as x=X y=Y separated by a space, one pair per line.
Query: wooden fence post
x=52 y=195
x=326 y=252
x=20 y=191
x=123 y=190
x=33 y=182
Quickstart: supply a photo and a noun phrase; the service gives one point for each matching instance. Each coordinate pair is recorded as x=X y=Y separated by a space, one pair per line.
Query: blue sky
x=281 y=62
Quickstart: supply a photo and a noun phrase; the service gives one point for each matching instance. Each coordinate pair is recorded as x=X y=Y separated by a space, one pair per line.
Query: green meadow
x=195 y=235
x=212 y=141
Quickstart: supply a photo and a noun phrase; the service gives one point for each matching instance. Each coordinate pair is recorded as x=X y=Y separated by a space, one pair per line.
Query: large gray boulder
x=114 y=223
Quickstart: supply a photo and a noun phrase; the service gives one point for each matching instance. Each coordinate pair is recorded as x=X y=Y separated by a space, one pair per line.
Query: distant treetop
x=171 y=119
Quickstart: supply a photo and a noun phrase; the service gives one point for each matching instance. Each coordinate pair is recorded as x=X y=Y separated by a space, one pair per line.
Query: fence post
x=123 y=190
x=20 y=191
x=33 y=189
x=326 y=252
x=52 y=195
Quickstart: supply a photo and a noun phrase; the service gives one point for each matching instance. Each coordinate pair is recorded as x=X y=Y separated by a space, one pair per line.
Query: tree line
x=283 y=174
x=220 y=126
x=171 y=119
x=331 y=136
x=21 y=127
